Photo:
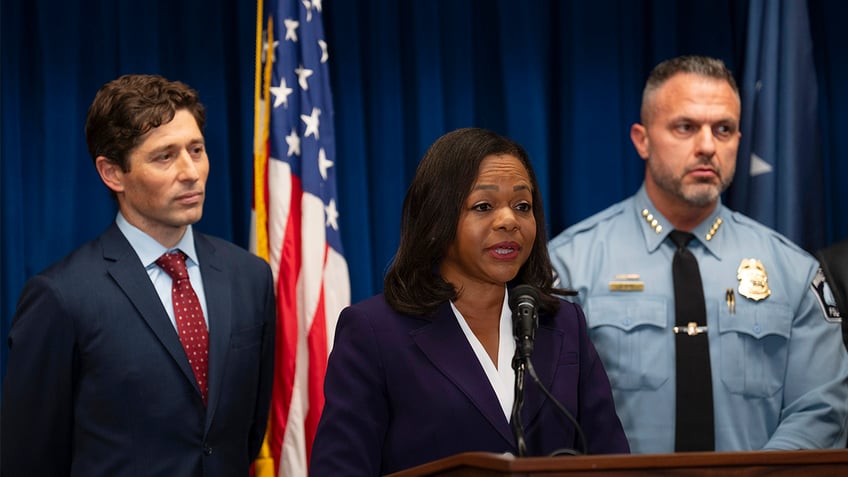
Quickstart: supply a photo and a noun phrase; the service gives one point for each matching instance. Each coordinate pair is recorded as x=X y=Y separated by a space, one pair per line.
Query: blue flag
x=779 y=169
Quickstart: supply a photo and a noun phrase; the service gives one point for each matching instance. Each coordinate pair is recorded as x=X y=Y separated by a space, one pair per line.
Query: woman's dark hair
x=430 y=217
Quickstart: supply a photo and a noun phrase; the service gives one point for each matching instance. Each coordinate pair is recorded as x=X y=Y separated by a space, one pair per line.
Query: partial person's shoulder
x=767 y=236
x=593 y=224
x=836 y=249
x=568 y=310
x=371 y=305
x=374 y=314
x=568 y=316
x=780 y=256
x=378 y=313
x=76 y=264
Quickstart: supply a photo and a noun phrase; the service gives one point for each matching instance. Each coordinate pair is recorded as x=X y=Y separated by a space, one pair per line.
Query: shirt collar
x=148 y=249
x=655 y=227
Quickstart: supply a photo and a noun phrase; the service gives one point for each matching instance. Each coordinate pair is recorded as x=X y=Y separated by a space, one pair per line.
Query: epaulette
x=593 y=221
x=745 y=221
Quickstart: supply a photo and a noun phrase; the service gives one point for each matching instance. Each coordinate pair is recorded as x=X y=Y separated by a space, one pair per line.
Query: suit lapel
x=547 y=348
x=219 y=307
x=129 y=273
x=446 y=347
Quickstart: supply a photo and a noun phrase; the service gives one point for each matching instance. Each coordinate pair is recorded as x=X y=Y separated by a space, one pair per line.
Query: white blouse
x=501 y=376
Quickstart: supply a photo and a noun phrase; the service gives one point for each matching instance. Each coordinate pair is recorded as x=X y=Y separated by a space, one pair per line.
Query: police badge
x=753 y=281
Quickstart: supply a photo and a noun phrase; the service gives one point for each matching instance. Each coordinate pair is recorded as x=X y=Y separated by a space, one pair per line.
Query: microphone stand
x=563 y=411
x=522 y=364
x=519 y=364
x=525 y=320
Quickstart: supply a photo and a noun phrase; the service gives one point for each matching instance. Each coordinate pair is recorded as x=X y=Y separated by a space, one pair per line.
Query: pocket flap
x=759 y=320
x=627 y=313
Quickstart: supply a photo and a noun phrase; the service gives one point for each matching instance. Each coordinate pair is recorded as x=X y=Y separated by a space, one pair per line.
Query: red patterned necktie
x=188 y=314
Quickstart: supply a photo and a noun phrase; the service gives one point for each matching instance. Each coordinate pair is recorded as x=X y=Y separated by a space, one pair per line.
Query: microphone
x=525 y=318
x=523 y=300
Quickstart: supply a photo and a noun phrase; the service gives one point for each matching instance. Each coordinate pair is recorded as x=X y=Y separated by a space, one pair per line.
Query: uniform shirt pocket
x=630 y=336
x=754 y=348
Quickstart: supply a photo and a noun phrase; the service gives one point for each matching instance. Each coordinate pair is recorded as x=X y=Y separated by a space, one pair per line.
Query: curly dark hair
x=430 y=215
x=126 y=108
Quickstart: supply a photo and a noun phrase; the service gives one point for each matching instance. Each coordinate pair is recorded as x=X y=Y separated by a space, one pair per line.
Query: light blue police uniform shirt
x=779 y=371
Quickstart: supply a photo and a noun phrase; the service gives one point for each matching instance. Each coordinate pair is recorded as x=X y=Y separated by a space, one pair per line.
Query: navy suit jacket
x=98 y=383
x=404 y=390
x=834 y=263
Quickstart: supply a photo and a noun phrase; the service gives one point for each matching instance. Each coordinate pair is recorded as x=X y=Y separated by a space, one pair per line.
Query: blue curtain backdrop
x=779 y=155
x=561 y=77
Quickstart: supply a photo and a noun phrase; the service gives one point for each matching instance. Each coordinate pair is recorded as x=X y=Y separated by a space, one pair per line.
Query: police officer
x=776 y=378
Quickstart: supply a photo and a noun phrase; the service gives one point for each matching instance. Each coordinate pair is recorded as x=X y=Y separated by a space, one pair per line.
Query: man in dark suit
x=116 y=368
x=834 y=263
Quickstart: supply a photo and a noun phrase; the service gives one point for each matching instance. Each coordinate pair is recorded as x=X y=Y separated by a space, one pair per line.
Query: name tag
x=626 y=286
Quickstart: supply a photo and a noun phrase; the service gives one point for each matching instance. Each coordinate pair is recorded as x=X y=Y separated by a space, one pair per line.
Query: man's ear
x=110 y=173
x=639 y=136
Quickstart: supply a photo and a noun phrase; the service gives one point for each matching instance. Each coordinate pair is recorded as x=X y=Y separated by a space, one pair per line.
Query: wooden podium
x=804 y=463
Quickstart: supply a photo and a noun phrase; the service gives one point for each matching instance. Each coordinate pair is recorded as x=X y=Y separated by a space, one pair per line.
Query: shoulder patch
x=825 y=297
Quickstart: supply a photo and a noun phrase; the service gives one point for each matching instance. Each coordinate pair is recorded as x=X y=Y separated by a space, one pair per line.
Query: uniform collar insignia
x=658 y=226
x=654 y=222
x=713 y=229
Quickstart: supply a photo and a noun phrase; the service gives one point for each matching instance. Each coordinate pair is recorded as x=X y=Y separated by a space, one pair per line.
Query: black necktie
x=694 y=429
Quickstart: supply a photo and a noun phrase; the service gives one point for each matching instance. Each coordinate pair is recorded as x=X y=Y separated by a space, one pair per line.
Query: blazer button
x=207 y=451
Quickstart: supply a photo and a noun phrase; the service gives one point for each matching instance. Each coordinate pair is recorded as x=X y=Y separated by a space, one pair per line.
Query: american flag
x=295 y=221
